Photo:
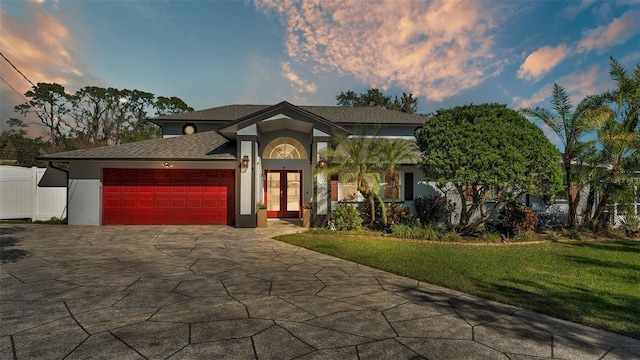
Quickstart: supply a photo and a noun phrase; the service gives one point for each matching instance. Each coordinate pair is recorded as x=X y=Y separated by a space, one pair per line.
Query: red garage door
x=168 y=196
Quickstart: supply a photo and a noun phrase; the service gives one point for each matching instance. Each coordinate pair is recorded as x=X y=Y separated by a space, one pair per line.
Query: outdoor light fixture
x=189 y=129
x=167 y=164
x=244 y=163
x=322 y=163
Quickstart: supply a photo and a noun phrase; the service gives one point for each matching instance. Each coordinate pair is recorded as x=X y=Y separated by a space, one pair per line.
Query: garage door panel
x=162 y=202
x=168 y=196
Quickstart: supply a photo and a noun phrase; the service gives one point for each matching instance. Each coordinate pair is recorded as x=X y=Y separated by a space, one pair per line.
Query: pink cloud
x=614 y=33
x=44 y=49
x=542 y=61
x=578 y=85
x=297 y=83
x=435 y=49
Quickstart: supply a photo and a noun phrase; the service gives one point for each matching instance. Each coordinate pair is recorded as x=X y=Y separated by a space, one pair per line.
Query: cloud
x=435 y=49
x=538 y=97
x=297 y=83
x=578 y=85
x=542 y=61
x=606 y=36
x=576 y=7
x=43 y=48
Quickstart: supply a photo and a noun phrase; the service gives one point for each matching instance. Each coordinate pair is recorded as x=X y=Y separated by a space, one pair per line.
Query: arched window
x=284 y=148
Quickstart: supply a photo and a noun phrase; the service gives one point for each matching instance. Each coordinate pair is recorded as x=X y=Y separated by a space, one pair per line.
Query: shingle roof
x=210 y=145
x=207 y=145
x=336 y=114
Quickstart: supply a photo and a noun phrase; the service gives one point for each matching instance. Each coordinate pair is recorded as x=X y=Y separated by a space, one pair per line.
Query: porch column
x=245 y=192
x=323 y=207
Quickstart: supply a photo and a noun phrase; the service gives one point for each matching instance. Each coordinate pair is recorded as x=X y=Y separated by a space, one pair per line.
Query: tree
x=570 y=126
x=49 y=102
x=357 y=159
x=392 y=154
x=93 y=109
x=15 y=145
x=95 y=116
x=615 y=115
x=407 y=103
x=476 y=151
x=172 y=105
x=375 y=98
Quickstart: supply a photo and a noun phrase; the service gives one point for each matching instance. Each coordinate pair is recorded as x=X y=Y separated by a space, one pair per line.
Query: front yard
x=591 y=282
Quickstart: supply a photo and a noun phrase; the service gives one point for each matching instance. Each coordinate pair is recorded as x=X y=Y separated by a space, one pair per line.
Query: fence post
x=34 y=193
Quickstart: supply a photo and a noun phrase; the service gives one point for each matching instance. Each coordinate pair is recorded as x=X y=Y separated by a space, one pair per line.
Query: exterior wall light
x=322 y=163
x=244 y=163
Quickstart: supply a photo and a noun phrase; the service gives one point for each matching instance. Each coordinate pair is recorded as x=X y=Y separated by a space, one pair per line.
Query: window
x=391 y=187
x=408 y=186
x=284 y=148
x=348 y=188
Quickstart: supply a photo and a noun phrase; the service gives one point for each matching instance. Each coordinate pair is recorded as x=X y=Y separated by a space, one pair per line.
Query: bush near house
x=517 y=217
x=434 y=209
x=346 y=217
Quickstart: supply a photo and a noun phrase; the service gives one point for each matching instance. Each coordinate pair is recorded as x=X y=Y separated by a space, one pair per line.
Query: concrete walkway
x=189 y=292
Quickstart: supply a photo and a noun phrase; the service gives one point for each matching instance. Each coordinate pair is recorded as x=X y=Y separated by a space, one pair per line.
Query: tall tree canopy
x=96 y=116
x=615 y=116
x=375 y=98
x=571 y=126
x=479 y=150
x=366 y=160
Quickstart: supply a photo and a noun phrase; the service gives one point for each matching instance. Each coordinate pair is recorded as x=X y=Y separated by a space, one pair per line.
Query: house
x=212 y=166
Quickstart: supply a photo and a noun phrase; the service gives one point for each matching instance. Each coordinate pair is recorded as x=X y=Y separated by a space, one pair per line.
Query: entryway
x=283 y=193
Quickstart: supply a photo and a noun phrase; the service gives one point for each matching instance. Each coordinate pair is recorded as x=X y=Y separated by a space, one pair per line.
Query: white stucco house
x=212 y=166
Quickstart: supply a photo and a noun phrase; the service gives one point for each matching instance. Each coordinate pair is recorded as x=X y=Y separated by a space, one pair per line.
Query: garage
x=168 y=196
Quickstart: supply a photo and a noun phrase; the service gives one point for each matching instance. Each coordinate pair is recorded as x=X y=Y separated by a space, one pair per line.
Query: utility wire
x=12 y=88
x=19 y=72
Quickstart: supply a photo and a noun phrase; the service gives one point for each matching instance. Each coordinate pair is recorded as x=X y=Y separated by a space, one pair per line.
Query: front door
x=283 y=190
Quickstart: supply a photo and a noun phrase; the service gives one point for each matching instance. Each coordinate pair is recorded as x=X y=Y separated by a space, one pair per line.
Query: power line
x=12 y=88
x=19 y=72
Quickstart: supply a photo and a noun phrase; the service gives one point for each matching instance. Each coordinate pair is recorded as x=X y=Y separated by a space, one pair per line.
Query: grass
x=596 y=283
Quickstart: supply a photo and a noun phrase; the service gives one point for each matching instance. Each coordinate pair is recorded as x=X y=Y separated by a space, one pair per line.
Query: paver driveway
x=122 y=292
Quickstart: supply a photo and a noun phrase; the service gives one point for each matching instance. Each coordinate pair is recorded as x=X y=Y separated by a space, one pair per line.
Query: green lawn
x=595 y=283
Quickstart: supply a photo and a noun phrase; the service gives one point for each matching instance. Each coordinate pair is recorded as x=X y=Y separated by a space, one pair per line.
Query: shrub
x=572 y=234
x=399 y=214
x=491 y=237
x=346 y=217
x=517 y=217
x=450 y=236
x=414 y=232
x=433 y=209
x=524 y=236
x=53 y=221
x=553 y=236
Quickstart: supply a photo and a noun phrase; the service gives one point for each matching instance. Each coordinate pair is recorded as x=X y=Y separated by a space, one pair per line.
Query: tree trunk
x=602 y=205
x=588 y=209
x=572 y=202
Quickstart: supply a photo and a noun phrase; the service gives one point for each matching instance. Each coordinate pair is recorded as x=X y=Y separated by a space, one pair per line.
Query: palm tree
x=392 y=154
x=615 y=115
x=570 y=127
x=357 y=159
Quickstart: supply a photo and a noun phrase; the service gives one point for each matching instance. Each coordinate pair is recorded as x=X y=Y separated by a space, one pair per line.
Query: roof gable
x=281 y=111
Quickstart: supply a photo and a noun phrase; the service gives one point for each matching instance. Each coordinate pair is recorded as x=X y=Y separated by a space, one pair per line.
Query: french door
x=283 y=193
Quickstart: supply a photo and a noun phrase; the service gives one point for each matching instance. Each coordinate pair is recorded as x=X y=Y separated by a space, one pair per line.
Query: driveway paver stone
x=185 y=292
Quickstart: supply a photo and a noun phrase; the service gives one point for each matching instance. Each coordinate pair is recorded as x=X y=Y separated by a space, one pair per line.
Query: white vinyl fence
x=21 y=198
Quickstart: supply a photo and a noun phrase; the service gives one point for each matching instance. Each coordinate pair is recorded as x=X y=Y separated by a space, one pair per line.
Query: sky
x=213 y=53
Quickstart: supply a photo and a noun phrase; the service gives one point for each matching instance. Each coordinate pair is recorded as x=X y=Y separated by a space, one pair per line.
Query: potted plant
x=261 y=210
x=306 y=214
